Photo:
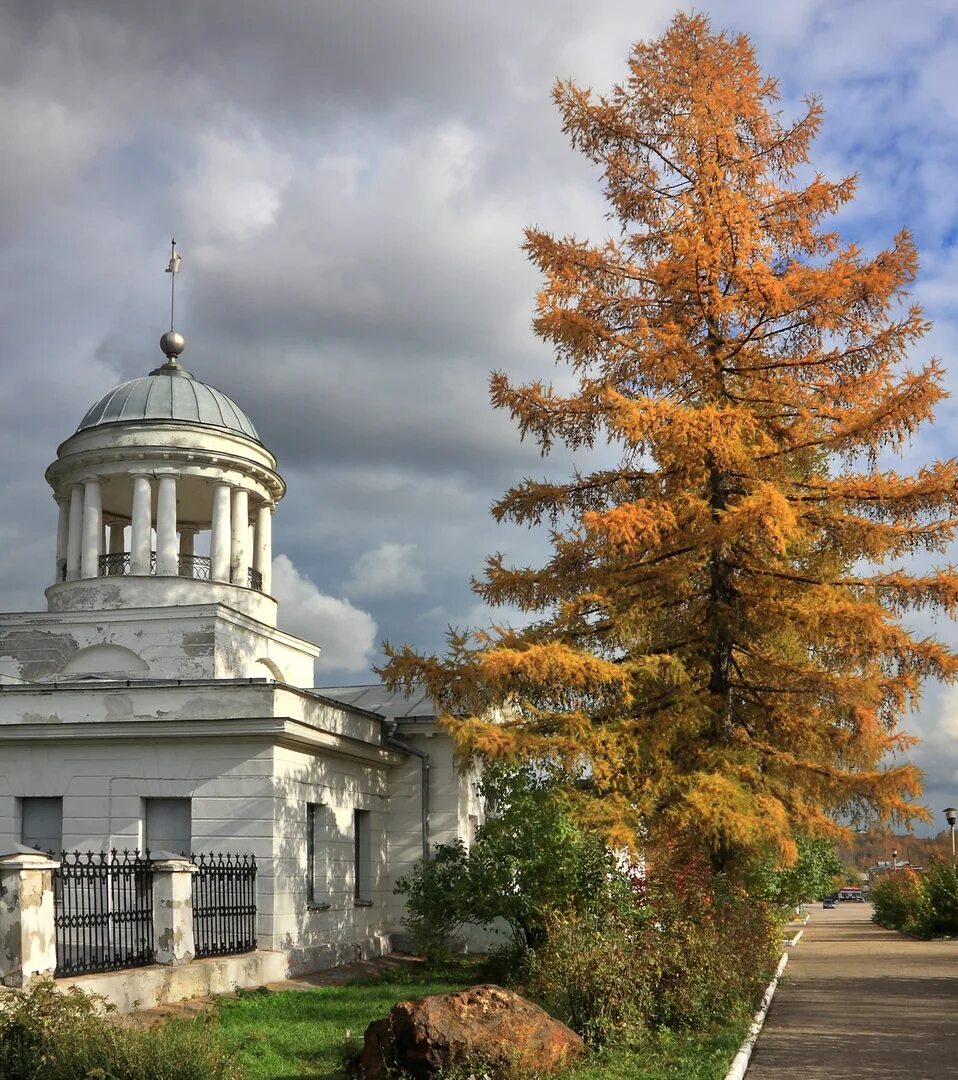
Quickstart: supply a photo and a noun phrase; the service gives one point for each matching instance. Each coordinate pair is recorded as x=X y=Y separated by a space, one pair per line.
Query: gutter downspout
x=407 y=748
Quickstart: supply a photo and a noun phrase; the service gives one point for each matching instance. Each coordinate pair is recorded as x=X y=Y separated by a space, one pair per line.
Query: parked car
x=831 y=902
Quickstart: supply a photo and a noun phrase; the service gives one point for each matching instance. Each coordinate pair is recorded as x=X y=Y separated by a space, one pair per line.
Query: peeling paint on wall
x=39 y=653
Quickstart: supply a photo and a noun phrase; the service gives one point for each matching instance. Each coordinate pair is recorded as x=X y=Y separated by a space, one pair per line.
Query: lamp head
x=951 y=815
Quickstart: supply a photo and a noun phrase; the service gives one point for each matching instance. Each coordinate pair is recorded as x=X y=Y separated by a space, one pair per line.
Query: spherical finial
x=172 y=343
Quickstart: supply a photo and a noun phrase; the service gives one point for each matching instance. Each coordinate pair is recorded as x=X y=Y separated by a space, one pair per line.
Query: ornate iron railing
x=115 y=565
x=224 y=904
x=103 y=911
x=118 y=564
x=196 y=566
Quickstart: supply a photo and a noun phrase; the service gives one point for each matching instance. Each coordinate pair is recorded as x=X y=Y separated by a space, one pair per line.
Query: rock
x=482 y=1024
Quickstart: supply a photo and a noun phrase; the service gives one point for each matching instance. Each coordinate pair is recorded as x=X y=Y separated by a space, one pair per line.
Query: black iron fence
x=103 y=911
x=224 y=904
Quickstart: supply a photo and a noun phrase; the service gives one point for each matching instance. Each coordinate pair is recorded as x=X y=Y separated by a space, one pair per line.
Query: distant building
x=888 y=866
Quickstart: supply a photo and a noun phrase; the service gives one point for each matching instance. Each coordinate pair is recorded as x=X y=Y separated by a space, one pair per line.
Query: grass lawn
x=296 y=1034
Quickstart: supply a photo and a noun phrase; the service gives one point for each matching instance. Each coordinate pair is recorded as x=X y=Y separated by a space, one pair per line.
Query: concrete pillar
x=63 y=536
x=116 y=537
x=92 y=529
x=28 y=947
x=263 y=544
x=239 y=559
x=167 y=562
x=187 y=539
x=75 y=537
x=141 y=525
x=173 y=907
x=220 y=534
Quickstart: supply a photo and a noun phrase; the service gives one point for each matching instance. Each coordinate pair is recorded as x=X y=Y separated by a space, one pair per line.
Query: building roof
x=169 y=393
x=376 y=698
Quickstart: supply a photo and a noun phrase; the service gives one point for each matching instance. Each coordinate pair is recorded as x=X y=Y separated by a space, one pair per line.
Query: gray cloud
x=349 y=184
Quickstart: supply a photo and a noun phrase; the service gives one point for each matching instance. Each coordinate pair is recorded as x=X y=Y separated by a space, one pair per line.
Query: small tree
x=528 y=861
x=710 y=641
x=811 y=876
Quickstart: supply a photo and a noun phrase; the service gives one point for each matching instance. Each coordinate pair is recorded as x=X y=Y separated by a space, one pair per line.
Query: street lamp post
x=950 y=816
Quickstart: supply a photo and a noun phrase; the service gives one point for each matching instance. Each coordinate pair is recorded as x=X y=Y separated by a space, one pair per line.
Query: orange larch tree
x=719 y=649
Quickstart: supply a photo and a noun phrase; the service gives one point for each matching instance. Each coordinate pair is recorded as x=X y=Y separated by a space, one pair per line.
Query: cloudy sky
x=348 y=181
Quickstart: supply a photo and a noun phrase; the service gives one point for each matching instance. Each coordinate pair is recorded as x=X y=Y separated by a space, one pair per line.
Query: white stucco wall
x=201 y=641
x=250 y=757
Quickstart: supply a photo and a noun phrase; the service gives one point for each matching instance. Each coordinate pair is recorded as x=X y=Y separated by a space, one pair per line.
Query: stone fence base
x=161 y=984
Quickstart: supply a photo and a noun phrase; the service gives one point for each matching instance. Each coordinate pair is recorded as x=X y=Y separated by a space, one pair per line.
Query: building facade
x=155 y=703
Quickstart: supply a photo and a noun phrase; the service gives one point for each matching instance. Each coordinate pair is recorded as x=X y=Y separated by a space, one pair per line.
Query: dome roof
x=169 y=393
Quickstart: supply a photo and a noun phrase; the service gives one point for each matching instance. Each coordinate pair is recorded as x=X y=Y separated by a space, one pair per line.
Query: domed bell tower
x=166 y=496
x=164 y=541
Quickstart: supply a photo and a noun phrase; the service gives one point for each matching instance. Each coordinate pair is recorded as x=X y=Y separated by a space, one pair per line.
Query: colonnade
x=82 y=532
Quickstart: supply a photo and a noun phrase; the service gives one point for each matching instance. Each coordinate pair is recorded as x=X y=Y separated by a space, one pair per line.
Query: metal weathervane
x=173 y=269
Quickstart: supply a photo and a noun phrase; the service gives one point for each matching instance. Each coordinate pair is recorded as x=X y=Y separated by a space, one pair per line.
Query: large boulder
x=484 y=1024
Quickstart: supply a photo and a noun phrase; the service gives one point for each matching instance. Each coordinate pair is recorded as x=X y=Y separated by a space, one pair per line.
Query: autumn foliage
x=719 y=647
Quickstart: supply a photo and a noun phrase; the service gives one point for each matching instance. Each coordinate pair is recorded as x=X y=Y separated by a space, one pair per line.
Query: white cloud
x=235 y=189
x=387 y=570
x=346 y=633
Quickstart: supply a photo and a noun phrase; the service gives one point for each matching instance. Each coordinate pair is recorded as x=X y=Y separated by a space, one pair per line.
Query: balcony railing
x=197 y=567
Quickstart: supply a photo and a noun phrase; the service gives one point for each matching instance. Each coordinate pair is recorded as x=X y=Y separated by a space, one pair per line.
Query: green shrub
x=681 y=949
x=49 y=1035
x=940 y=887
x=528 y=862
x=901 y=902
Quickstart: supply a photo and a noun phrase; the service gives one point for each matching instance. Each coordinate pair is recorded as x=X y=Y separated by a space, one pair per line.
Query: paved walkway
x=861 y=1003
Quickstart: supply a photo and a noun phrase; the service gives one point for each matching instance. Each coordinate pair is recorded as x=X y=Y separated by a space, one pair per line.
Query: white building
x=155 y=703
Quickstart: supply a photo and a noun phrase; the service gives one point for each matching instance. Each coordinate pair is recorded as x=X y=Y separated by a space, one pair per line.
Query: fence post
x=28 y=940
x=173 y=907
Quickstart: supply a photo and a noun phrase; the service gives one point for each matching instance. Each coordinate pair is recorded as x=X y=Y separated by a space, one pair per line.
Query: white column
x=141 y=525
x=187 y=536
x=63 y=536
x=167 y=563
x=220 y=534
x=92 y=529
x=239 y=560
x=263 y=544
x=116 y=537
x=75 y=538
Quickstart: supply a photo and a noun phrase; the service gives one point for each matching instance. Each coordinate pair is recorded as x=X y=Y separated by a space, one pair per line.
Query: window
x=362 y=856
x=169 y=825
x=317 y=855
x=41 y=824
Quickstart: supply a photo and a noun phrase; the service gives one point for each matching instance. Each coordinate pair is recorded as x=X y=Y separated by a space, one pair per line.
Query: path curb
x=741 y=1059
x=790 y=942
